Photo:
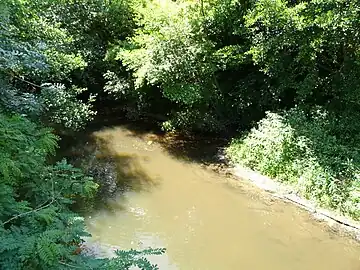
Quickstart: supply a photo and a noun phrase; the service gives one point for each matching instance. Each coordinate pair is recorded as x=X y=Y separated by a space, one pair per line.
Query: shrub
x=38 y=230
x=302 y=149
x=193 y=120
x=63 y=108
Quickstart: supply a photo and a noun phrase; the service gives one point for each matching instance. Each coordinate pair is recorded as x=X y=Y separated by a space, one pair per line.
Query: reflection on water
x=207 y=222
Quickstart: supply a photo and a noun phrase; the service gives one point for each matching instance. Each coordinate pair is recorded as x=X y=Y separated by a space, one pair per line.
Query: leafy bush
x=193 y=120
x=301 y=149
x=38 y=230
x=63 y=108
x=12 y=100
x=35 y=49
x=196 y=56
x=308 y=47
x=35 y=215
x=165 y=52
x=168 y=54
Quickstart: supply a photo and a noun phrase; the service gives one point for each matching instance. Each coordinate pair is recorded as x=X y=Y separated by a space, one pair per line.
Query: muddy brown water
x=207 y=221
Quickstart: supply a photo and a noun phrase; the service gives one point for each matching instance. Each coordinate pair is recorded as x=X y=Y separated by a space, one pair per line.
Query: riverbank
x=211 y=155
x=101 y=154
x=168 y=195
x=209 y=152
x=335 y=220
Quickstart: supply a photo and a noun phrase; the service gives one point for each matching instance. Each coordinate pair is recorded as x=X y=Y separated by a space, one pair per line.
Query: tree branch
x=29 y=212
x=33 y=84
x=42 y=206
x=72 y=266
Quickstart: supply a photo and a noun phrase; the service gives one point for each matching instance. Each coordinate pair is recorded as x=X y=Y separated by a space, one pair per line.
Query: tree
x=38 y=229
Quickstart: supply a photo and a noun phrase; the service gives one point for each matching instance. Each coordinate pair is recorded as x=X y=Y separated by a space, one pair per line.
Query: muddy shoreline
x=335 y=220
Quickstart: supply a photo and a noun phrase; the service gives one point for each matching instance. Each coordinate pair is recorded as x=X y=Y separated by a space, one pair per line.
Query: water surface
x=206 y=221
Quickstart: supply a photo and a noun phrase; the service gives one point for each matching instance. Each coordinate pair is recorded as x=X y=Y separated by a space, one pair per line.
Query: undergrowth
x=309 y=150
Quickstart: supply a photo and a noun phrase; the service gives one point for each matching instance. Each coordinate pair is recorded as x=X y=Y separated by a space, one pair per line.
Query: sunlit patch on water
x=137 y=211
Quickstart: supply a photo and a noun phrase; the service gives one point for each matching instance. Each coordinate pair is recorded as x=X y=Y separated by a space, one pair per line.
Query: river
x=206 y=221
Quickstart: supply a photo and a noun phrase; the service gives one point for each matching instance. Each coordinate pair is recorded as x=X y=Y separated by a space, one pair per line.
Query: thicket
x=41 y=61
x=302 y=150
x=309 y=49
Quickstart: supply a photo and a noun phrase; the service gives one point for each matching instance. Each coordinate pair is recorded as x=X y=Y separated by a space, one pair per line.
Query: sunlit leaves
x=165 y=51
x=39 y=47
x=304 y=151
x=307 y=46
x=63 y=108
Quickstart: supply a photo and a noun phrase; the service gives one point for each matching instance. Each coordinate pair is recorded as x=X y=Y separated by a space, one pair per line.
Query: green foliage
x=190 y=120
x=34 y=50
x=33 y=209
x=167 y=53
x=32 y=45
x=38 y=230
x=309 y=47
x=94 y=24
x=163 y=52
x=38 y=60
x=127 y=259
x=197 y=57
x=14 y=100
x=237 y=59
x=302 y=149
x=307 y=51
x=20 y=50
x=62 y=107
x=93 y=27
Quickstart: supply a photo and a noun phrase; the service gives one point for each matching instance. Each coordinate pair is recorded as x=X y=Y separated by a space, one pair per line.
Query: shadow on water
x=114 y=172
x=119 y=172
x=185 y=146
x=199 y=148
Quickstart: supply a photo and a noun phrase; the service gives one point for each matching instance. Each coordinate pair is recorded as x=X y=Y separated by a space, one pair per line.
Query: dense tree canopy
x=43 y=54
x=205 y=66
